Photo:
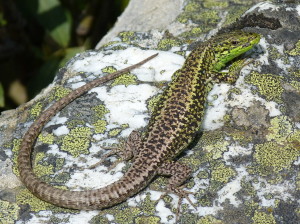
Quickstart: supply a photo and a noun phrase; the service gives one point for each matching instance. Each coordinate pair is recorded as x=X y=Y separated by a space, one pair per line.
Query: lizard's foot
x=181 y=194
x=179 y=174
x=126 y=150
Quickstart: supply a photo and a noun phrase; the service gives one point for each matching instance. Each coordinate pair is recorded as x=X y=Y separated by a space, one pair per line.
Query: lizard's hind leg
x=125 y=150
x=179 y=174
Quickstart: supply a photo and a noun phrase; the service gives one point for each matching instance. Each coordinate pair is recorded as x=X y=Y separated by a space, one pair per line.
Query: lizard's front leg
x=126 y=150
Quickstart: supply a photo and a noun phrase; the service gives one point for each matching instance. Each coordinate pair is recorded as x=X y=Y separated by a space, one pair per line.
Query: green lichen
x=108 y=69
x=273 y=157
x=147 y=220
x=222 y=173
x=234 y=13
x=75 y=123
x=215 y=4
x=296 y=85
x=77 y=141
x=15 y=149
x=126 y=215
x=152 y=102
x=167 y=44
x=114 y=132
x=214 y=144
x=281 y=127
x=268 y=85
x=36 y=109
x=263 y=218
x=125 y=79
x=296 y=50
x=209 y=220
x=39 y=168
x=46 y=138
x=127 y=36
x=100 y=126
x=59 y=92
x=148 y=206
x=8 y=212
x=100 y=110
x=26 y=197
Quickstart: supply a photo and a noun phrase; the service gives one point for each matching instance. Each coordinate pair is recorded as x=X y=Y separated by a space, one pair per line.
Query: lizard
x=172 y=126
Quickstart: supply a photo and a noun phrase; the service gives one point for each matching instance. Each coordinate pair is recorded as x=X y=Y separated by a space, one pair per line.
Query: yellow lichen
x=209 y=220
x=273 y=157
x=41 y=170
x=8 y=212
x=36 y=109
x=268 y=85
x=26 y=197
x=167 y=44
x=296 y=50
x=15 y=149
x=114 y=132
x=100 y=110
x=280 y=129
x=77 y=141
x=125 y=79
x=147 y=220
x=263 y=218
x=59 y=92
x=100 y=126
x=46 y=138
x=222 y=173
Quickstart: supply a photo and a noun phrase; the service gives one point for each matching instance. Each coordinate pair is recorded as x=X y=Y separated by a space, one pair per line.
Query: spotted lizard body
x=173 y=124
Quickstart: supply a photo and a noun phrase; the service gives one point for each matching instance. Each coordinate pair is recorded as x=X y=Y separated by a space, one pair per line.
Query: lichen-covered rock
x=246 y=161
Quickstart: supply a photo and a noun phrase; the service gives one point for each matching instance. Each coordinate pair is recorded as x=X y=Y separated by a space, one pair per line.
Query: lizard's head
x=230 y=45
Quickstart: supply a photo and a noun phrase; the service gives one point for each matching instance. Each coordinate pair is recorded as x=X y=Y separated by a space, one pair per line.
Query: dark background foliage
x=37 y=37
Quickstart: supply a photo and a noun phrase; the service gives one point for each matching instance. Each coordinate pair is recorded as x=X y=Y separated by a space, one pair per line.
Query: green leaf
x=56 y=20
x=1 y=96
x=69 y=53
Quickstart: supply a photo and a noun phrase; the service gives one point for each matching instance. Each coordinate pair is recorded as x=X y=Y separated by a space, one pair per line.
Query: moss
x=296 y=50
x=77 y=141
x=100 y=126
x=36 y=109
x=268 y=85
x=209 y=220
x=222 y=173
x=263 y=218
x=8 y=212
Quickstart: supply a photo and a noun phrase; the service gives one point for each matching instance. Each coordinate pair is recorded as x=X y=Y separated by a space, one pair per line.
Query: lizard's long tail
x=91 y=199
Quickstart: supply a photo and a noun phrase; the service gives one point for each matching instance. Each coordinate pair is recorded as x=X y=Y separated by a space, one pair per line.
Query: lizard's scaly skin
x=171 y=128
